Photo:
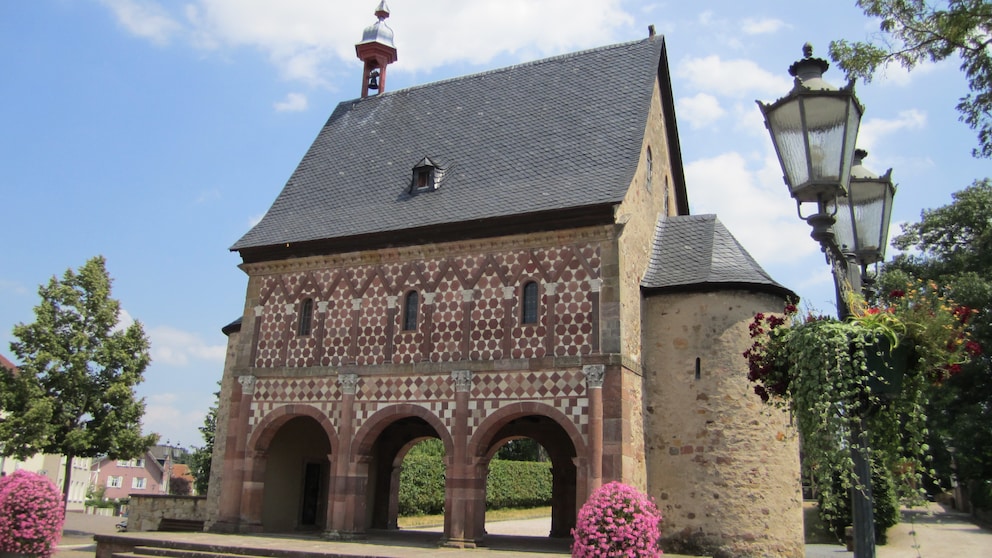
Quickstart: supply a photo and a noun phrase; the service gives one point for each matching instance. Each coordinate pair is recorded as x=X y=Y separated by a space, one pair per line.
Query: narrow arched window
x=528 y=307
x=306 y=317
x=648 y=169
x=410 y=309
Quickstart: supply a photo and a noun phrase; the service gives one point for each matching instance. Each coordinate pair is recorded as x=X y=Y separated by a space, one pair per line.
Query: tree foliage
x=952 y=246
x=73 y=393
x=179 y=486
x=916 y=31
x=200 y=458
x=522 y=449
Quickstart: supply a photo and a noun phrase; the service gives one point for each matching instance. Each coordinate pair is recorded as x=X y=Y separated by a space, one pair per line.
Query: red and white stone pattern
x=468 y=305
x=563 y=390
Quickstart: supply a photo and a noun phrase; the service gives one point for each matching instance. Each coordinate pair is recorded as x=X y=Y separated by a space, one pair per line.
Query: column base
x=459 y=543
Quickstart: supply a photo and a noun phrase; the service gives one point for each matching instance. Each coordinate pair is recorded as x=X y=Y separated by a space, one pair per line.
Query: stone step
x=146 y=551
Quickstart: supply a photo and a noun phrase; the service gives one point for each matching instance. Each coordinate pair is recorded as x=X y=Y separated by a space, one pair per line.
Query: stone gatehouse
x=498 y=256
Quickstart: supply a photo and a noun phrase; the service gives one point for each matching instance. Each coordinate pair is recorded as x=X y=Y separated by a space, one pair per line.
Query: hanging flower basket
x=887 y=366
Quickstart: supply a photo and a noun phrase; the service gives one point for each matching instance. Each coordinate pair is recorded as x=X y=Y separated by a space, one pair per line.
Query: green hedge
x=422 y=485
x=511 y=484
x=518 y=484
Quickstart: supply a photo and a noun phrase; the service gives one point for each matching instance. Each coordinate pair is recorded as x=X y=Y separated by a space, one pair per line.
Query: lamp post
x=814 y=128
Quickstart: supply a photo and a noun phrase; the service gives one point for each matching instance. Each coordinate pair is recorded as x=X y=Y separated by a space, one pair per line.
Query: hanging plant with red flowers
x=830 y=373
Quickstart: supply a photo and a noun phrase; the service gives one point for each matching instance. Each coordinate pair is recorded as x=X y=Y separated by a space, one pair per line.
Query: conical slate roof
x=536 y=138
x=697 y=252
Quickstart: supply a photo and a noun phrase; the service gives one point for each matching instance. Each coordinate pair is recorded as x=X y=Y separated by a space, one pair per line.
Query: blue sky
x=156 y=133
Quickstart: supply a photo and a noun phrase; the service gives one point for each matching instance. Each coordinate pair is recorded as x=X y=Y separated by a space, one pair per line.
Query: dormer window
x=427 y=176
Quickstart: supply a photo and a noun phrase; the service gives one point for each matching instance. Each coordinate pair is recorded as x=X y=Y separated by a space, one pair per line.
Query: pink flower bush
x=617 y=520
x=31 y=514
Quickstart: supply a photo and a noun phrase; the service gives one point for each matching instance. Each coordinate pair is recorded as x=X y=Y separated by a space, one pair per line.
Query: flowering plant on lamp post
x=831 y=373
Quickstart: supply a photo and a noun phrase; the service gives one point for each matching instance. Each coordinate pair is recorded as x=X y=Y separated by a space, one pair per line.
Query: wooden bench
x=169 y=524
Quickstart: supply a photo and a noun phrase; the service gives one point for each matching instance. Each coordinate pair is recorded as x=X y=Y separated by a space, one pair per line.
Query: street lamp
x=813 y=129
x=862 y=227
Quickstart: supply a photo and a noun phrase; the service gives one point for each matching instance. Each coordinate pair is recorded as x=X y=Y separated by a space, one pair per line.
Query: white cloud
x=294 y=102
x=732 y=78
x=177 y=347
x=873 y=130
x=124 y=320
x=762 y=26
x=896 y=74
x=700 y=110
x=255 y=219
x=208 y=195
x=144 y=18
x=14 y=287
x=751 y=202
x=301 y=37
x=169 y=415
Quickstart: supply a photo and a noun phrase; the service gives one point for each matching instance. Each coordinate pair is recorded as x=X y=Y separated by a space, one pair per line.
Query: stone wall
x=145 y=512
x=722 y=466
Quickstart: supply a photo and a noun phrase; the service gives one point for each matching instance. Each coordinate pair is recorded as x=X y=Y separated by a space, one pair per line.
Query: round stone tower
x=722 y=465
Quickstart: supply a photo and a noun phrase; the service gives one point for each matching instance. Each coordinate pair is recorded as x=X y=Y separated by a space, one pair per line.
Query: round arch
x=559 y=436
x=378 y=445
x=367 y=435
x=288 y=466
x=480 y=444
x=266 y=429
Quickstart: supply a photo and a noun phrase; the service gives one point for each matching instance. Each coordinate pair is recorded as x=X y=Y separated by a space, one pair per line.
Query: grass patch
x=506 y=514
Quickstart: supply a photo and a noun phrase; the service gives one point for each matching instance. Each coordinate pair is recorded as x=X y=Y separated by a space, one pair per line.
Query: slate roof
x=697 y=252
x=559 y=133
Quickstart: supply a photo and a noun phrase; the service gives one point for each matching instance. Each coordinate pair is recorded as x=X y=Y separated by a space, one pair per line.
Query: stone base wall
x=146 y=512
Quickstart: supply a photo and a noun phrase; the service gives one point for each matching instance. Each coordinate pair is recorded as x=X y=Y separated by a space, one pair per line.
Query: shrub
x=518 y=484
x=511 y=484
x=885 y=504
x=617 y=520
x=421 y=485
x=31 y=514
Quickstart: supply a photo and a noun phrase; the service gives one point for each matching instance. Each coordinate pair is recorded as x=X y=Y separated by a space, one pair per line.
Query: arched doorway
x=297 y=470
x=560 y=445
x=384 y=466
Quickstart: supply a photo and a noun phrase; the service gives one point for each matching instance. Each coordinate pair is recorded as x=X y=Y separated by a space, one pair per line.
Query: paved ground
x=930 y=533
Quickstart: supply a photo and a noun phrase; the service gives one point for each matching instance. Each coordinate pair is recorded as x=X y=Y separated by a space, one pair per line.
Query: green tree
x=522 y=449
x=73 y=393
x=952 y=246
x=199 y=459
x=916 y=31
x=179 y=486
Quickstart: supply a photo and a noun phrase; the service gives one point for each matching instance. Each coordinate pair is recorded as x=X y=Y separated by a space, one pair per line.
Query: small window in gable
x=427 y=175
x=410 y=309
x=648 y=169
x=306 y=317
x=528 y=306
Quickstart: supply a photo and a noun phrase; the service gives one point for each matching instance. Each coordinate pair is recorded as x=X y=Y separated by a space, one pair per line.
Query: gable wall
x=639 y=211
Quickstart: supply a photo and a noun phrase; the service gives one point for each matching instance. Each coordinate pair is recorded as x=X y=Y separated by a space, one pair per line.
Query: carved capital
x=462 y=379
x=247 y=384
x=348 y=383
x=594 y=373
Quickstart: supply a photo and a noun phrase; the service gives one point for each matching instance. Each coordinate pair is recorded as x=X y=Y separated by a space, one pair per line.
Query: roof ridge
x=503 y=69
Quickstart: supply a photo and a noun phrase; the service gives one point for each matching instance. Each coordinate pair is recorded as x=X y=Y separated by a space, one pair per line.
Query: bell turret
x=377 y=51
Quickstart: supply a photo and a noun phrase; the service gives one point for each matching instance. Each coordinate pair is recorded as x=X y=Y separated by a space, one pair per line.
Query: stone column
x=342 y=501
x=595 y=373
x=229 y=518
x=459 y=526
